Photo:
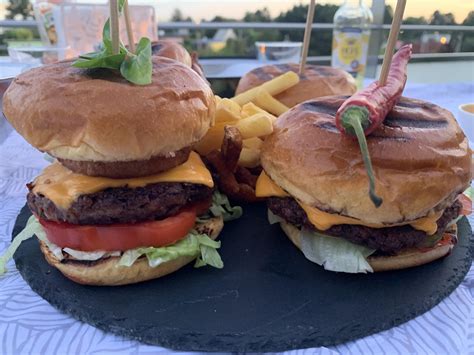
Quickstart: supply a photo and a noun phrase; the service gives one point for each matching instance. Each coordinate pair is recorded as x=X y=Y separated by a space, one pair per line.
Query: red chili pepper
x=364 y=111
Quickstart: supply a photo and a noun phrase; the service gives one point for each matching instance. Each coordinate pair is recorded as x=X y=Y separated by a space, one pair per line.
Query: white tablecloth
x=28 y=324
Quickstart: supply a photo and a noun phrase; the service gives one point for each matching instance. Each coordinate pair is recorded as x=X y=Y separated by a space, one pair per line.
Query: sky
x=207 y=9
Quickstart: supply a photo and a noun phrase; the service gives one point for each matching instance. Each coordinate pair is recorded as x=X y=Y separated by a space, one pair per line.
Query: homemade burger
x=317 y=186
x=317 y=81
x=127 y=199
x=174 y=50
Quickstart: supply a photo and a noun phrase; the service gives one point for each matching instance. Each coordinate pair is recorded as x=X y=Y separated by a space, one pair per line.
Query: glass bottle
x=351 y=38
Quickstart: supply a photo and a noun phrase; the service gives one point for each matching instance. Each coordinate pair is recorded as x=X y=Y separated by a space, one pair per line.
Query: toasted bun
x=406 y=259
x=173 y=50
x=96 y=115
x=106 y=272
x=420 y=155
x=316 y=81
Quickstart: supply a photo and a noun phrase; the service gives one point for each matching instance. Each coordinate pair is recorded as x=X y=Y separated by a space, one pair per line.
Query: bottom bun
x=406 y=259
x=106 y=272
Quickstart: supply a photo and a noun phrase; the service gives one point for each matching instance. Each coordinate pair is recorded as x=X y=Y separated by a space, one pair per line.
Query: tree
x=258 y=16
x=442 y=19
x=413 y=36
x=468 y=39
x=469 y=20
x=415 y=21
x=19 y=10
x=388 y=15
x=321 y=40
x=179 y=17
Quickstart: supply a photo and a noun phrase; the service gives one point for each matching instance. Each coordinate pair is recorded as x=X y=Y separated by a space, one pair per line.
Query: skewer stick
x=114 y=26
x=128 y=23
x=307 y=35
x=392 y=40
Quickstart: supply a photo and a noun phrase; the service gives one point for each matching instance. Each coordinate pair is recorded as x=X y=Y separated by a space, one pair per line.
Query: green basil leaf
x=102 y=60
x=121 y=4
x=106 y=37
x=137 y=68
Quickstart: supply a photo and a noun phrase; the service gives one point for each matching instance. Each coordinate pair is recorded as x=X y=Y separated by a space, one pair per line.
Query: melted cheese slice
x=62 y=186
x=323 y=220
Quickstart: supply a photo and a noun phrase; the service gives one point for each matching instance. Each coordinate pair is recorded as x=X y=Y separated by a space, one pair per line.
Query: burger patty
x=388 y=240
x=123 y=204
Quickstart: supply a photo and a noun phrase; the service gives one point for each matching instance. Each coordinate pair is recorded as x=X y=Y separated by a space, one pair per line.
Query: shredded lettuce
x=32 y=227
x=469 y=192
x=90 y=255
x=194 y=245
x=273 y=218
x=221 y=207
x=335 y=254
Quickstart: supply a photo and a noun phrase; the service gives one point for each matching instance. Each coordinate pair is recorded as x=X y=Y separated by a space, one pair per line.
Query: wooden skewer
x=392 y=40
x=128 y=23
x=114 y=26
x=307 y=35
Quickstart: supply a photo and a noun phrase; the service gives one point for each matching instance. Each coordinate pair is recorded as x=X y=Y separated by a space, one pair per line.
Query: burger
x=173 y=50
x=316 y=81
x=126 y=198
x=317 y=189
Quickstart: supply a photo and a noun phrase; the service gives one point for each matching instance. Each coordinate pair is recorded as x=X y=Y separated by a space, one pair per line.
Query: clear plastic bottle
x=351 y=38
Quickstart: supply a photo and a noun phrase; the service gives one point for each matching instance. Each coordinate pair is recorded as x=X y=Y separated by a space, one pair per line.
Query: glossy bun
x=420 y=156
x=96 y=115
x=316 y=81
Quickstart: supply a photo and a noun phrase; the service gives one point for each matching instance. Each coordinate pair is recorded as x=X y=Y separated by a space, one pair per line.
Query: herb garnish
x=135 y=67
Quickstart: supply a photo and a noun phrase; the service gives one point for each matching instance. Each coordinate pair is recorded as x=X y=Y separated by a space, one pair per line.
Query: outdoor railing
x=377 y=37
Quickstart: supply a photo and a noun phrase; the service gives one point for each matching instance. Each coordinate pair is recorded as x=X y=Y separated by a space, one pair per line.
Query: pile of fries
x=252 y=113
x=232 y=146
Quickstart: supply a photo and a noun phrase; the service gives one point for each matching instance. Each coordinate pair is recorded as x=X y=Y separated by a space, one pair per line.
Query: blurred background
x=230 y=36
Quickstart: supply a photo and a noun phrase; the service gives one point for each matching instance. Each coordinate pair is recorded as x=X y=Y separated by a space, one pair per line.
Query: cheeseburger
x=173 y=50
x=126 y=199
x=316 y=81
x=317 y=188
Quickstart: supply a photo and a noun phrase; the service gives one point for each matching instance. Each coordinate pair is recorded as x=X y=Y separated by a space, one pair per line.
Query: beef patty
x=122 y=204
x=388 y=240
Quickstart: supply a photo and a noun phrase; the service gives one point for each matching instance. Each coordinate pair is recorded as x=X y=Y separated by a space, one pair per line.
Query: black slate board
x=268 y=297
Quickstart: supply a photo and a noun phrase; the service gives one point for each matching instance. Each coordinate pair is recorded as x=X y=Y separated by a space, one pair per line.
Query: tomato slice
x=122 y=236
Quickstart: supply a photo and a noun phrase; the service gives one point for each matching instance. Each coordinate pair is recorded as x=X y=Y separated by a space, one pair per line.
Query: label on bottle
x=349 y=50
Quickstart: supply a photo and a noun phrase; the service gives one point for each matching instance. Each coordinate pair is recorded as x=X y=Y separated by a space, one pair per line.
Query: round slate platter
x=268 y=297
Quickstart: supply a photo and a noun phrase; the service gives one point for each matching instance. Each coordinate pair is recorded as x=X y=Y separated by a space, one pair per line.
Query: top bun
x=96 y=115
x=173 y=50
x=420 y=156
x=316 y=81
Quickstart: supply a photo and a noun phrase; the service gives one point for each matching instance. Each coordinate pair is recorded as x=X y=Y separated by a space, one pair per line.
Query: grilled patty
x=388 y=240
x=123 y=204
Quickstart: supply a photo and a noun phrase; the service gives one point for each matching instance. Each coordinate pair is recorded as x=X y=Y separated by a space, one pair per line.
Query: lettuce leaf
x=469 y=192
x=194 y=245
x=32 y=227
x=221 y=207
x=335 y=254
x=273 y=218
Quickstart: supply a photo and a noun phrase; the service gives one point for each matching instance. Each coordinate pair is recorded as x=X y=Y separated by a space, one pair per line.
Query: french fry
x=250 y=109
x=227 y=111
x=258 y=125
x=212 y=140
x=249 y=158
x=273 y=87
x=252 y=143
x=269 y=103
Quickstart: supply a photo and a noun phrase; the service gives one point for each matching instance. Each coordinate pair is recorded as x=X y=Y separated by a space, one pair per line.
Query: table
x=28 y=324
